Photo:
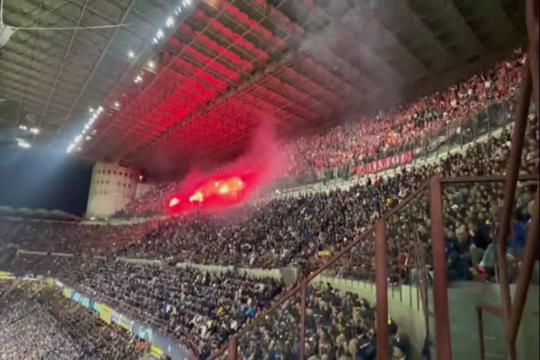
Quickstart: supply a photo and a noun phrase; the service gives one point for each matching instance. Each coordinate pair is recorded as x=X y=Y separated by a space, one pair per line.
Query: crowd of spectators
x=38 y=322
x=338 y=325
x=68 y=237
x=201 y=309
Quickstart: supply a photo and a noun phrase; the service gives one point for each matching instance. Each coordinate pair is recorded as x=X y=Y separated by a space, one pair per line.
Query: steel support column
x=440 y=286
x=303 y=321
x=381 y=307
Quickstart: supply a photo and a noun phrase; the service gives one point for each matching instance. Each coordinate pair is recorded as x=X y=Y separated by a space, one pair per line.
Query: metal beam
x=409 y=16
x=98 y=62
x=67 y=53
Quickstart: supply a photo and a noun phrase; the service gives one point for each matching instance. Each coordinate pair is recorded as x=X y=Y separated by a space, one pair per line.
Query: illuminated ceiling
x=218 y=67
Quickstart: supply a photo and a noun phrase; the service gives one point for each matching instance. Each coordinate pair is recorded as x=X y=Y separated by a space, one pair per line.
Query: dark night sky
x=41 y=178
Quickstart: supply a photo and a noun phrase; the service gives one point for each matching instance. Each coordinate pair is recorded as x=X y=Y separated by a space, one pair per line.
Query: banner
x=384 y=164
x=105 y=312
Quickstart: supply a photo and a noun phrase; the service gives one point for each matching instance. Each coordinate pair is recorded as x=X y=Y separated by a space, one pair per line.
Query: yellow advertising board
x=68 y=293
x=105 y=313
x=157 y=352
x=4 y=275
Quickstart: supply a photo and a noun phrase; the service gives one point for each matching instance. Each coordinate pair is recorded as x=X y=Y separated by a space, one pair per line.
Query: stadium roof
x=190 y=79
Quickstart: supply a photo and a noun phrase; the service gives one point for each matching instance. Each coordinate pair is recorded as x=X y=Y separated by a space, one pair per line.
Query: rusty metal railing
x=511 y=313
x=443 y=342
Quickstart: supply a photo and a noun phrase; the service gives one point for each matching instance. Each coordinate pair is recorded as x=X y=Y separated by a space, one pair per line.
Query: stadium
x=269 y=179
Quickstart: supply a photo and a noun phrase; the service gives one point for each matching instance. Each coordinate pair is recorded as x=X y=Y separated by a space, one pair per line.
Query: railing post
x=303 y=321
x=525 y=275
x=480 y=319
x=440 y=286
x=383 y=343
x=512 y=173
x=233 y=349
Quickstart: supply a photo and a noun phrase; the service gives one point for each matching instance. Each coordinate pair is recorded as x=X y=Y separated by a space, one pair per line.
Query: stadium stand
x=37 y=322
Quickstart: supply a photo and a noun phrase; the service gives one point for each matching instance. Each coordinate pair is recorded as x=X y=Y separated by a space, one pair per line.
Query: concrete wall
x=405 y=308
x=111 y=188
x=464 y=326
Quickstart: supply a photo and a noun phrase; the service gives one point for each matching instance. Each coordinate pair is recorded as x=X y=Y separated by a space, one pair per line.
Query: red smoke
x=235 y=183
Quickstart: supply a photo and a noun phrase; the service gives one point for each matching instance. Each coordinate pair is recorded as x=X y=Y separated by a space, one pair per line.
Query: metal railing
x=381 y=276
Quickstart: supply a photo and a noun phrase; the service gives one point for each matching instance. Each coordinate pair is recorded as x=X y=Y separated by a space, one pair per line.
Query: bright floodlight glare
x=116 y=104
x=151 y=64
x=159 y=34
x=100 y=109
x=91 y=109
x=88 y=138
x=138 y=79
x=23 y=144
x=169 y=22
x=154 y=41
x=23 y=127
x=34 y=130
x=131 y=54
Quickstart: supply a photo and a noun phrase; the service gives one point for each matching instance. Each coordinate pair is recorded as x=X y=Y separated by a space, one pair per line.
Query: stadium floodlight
x=116 y=105
x=23 y=127
x=151 y=65
x=178 y=10
x=91 y=109
x=160 y=34
x=100 y=109
x=131 y=54
x=34 y=130
x=169 y=22
x=138 y=79
x=23 y=143
x=88 y=137
x=155 y=41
